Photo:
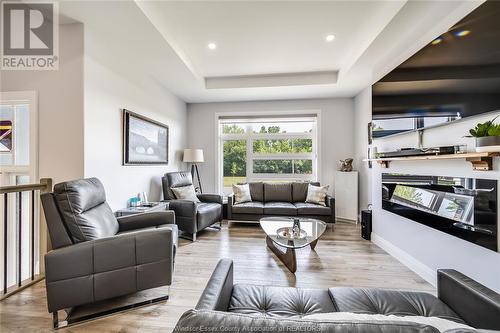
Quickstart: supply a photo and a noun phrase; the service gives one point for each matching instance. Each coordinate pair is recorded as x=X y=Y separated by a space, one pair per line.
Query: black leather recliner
x=96 y=256
x=190 y=216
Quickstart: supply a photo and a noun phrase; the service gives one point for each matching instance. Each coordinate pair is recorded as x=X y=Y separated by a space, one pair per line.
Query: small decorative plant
x=487 y=136
x=488 y=128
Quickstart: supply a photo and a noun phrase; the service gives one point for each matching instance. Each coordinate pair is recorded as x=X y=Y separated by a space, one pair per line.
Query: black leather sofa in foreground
x=252 y=308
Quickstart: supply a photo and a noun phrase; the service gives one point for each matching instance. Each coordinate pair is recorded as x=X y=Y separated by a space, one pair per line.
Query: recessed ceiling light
x=212 y=46
x=462 y=33
x=437 y=41
x=330 y=38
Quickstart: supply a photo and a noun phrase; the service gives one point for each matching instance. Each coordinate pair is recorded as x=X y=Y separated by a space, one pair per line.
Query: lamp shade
x=193 y=156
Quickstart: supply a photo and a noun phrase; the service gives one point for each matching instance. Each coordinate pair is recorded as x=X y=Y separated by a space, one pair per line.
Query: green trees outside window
x=235 y=156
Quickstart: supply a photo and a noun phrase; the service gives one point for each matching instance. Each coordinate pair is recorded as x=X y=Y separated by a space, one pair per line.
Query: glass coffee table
x=280 y=235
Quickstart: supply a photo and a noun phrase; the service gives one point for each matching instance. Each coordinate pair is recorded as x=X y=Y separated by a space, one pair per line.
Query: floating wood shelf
x=480 y=161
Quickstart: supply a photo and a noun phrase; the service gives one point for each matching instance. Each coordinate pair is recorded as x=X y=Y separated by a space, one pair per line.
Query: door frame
x=30 y=98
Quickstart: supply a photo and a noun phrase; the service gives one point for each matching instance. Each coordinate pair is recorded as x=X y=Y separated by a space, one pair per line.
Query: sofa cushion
x=306 y=208
x=253 y=207
x=391 y=302
x=257 y=191
x=299 y=190
x=279 y=208
x=317 y=194
x=216 y=321
x=279 y=301
x=241 y=193
x=185 y=193
x=278 y=192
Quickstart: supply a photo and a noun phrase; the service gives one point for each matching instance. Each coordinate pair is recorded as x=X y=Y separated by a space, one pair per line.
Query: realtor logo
x=29 y=36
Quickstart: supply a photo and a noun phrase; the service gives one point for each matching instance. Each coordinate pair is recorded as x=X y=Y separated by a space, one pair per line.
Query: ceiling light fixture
x=212 y=46
x=437 y=41
x=330 y=38
x=462 y=33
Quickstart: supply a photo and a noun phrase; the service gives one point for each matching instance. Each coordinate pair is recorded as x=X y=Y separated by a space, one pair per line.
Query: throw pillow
x=241 y=193
x=185 y=193
x=317 y=194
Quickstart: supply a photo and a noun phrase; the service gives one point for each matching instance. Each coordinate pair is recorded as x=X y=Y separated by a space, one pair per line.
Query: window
x=271 y=149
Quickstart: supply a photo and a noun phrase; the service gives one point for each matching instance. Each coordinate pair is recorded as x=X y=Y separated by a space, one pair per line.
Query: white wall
x=60 y=107
x=337 y=119
x=108 y=89
x=362 y=116
x=421 y=248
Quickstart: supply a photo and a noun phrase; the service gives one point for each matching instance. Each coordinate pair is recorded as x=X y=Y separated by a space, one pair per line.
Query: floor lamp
x=194 y=156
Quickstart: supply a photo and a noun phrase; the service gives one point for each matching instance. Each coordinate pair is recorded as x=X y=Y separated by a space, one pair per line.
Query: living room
x=337 y=161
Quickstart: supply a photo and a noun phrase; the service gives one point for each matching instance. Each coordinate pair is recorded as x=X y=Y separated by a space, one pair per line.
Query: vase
x=488 y=144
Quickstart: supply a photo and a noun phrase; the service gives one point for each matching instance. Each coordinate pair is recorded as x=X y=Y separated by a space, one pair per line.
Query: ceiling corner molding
x=272 y=80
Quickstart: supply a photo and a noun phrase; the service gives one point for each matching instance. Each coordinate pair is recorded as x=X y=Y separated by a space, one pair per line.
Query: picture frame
x=145 y=141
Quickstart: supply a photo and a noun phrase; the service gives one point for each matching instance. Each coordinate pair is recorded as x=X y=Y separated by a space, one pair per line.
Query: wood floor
x=341 y=258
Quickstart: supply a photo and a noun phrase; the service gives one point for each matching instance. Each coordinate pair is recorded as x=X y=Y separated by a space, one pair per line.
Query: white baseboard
x=427 y=273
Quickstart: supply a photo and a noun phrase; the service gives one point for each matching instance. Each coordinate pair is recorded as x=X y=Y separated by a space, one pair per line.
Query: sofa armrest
x=184 y=208
x=330 y=202
x=217 y=293
x=145 y=220
x=216 y=198
x=109 y=267
x=478 y=305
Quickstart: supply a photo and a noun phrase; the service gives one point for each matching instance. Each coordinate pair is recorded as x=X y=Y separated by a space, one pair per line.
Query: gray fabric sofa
x=190 y=216
x=254 y=308
x=95 y=256
x=280 y=199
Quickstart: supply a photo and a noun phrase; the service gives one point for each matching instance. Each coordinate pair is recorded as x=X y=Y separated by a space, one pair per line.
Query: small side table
x=140 y=209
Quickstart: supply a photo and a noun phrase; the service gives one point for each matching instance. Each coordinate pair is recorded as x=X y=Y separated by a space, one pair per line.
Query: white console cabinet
x=346 y=195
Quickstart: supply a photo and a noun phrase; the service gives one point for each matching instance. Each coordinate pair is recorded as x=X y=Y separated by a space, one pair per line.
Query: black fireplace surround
x=466 y=208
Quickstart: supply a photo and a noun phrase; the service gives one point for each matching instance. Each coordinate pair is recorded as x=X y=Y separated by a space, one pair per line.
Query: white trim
x=30 y=98
x=425 y=272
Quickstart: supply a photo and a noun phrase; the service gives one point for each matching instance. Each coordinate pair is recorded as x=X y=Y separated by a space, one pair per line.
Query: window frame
x=249 y=136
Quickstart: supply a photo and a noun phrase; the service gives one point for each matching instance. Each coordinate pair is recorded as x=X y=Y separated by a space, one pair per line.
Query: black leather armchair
x=190 y=216
x=96 y=256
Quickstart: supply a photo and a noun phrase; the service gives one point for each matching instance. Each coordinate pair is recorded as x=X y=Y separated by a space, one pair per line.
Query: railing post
x=44 y=186
x=45 y=245
x=5 y=239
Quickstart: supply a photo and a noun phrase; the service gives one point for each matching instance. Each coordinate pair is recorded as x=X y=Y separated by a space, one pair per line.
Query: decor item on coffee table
x=280 y=199
x=194 y=156
x=280 y=233
x=270 y=309
x=97 y=257
x=191 y=217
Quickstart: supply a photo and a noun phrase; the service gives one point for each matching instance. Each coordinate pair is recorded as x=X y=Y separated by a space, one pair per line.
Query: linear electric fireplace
x=466 y=208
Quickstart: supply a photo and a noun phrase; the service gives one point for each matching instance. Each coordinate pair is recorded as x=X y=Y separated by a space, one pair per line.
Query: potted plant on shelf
x=487 y=136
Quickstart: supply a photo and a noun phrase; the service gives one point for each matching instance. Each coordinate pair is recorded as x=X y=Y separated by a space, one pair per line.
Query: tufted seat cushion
x=391 y=302
x=272 y=301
